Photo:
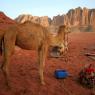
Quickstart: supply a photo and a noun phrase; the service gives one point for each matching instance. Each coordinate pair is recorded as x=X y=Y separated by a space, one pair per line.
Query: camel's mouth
x=55 y=52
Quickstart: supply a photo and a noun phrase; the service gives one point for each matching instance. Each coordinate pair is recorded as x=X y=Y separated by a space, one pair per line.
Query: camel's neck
x=61 y=36
x=55 y=39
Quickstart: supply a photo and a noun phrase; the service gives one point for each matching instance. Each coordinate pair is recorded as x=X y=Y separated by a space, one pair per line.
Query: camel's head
x=60 y=41
x=64 y=29
x=57 y=51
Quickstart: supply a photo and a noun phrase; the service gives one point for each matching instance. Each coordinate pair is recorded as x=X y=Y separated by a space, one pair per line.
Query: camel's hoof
x=1 y=67
x=8 y=87
x=43 y=83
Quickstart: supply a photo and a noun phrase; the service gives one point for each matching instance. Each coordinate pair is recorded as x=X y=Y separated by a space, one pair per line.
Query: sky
x=14 y=8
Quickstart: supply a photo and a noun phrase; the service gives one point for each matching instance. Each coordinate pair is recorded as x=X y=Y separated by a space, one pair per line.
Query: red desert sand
x=24 y=77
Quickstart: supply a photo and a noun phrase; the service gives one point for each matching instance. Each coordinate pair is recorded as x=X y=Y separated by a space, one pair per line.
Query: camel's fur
x=29 y=36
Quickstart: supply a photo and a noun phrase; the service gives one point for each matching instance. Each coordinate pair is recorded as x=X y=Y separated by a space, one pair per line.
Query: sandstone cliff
x=81 y=19
x=45 y=21
x=76 y=17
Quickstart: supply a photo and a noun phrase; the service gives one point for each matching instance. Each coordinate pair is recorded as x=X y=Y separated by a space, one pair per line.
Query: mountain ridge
x=78 y=17
x=74 y=17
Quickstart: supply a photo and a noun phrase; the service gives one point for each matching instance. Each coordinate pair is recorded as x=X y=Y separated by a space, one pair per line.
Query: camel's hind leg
x=42 y=52
x=8 y=48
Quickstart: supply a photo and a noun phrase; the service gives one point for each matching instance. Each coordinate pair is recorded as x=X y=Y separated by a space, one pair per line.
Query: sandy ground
x=24 y=76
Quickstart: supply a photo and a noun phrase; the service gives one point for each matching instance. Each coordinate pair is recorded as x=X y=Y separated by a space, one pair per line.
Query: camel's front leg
x=8 y=47
x=42 y=52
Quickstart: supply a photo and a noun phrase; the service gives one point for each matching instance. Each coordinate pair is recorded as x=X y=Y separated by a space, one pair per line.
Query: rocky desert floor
x=24 y=76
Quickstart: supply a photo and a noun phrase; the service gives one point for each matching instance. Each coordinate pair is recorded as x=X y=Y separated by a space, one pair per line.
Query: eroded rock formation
x=76 y=17
x=45 y=21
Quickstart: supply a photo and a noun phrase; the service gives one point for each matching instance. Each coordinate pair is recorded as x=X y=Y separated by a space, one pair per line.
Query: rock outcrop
x=5 y=21
x=83 y=18
x=45 y=21
x=76 y=17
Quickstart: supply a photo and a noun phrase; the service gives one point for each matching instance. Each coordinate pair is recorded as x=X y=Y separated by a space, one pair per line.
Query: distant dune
x=5 y=21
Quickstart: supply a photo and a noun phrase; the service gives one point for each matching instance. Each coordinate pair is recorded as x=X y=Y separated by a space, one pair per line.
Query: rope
x=66 y=47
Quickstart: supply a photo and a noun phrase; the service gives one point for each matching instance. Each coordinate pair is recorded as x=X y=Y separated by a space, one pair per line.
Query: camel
x=29 y=36
x=57 y=38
